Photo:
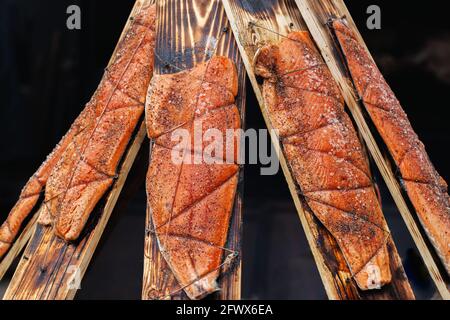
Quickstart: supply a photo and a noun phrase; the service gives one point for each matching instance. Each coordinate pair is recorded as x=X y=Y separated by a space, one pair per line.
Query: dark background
x=48 y=73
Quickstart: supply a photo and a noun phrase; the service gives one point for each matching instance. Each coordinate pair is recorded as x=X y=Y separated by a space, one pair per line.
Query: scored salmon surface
x=83 y=165
x=191 y=201
x=426 y=189
x=324 y=153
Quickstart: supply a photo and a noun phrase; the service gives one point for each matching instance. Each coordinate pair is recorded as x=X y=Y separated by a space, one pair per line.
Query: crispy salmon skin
x=191 y=201
x=324 y=153
x=83 y=165
x=425 y=187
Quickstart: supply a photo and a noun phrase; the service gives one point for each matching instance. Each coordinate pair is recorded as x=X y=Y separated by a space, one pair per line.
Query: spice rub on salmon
x=426 y=189
x=190 y=201
x=83 y=165
x=324 y=153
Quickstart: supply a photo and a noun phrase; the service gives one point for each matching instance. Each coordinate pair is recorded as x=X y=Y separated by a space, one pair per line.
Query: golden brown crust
x=426 y=189
x=87 y=168
x=325 y=154
x=82 y=166
x=191 y=203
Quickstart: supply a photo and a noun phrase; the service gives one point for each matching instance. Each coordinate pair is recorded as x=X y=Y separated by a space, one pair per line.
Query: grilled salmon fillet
x=324 y=153
x=83 y=165
x=424 y=186
x=191 y=201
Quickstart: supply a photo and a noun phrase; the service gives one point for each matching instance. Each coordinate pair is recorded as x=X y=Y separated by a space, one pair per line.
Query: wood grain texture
x=50 y=267
x=19 y=243
x=190 y=32
x=317 y=14
x=255 y=25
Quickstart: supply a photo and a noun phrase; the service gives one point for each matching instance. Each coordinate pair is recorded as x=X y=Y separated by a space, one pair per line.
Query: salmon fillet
x=191 y=201
x=324 y=153
x=424 y=186
x=83 y=165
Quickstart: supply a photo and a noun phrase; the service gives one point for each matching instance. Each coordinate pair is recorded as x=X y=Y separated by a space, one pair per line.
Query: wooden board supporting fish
x=189 y=33
x=18 y=245
x=317 y=16
x=52 y=268
x=266 y=23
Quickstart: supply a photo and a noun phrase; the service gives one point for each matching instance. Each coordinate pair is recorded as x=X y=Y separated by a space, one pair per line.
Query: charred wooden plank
x=317 y=15
x=19 y=243
x=267 y=22
x=190 y=32
x=50 y=267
